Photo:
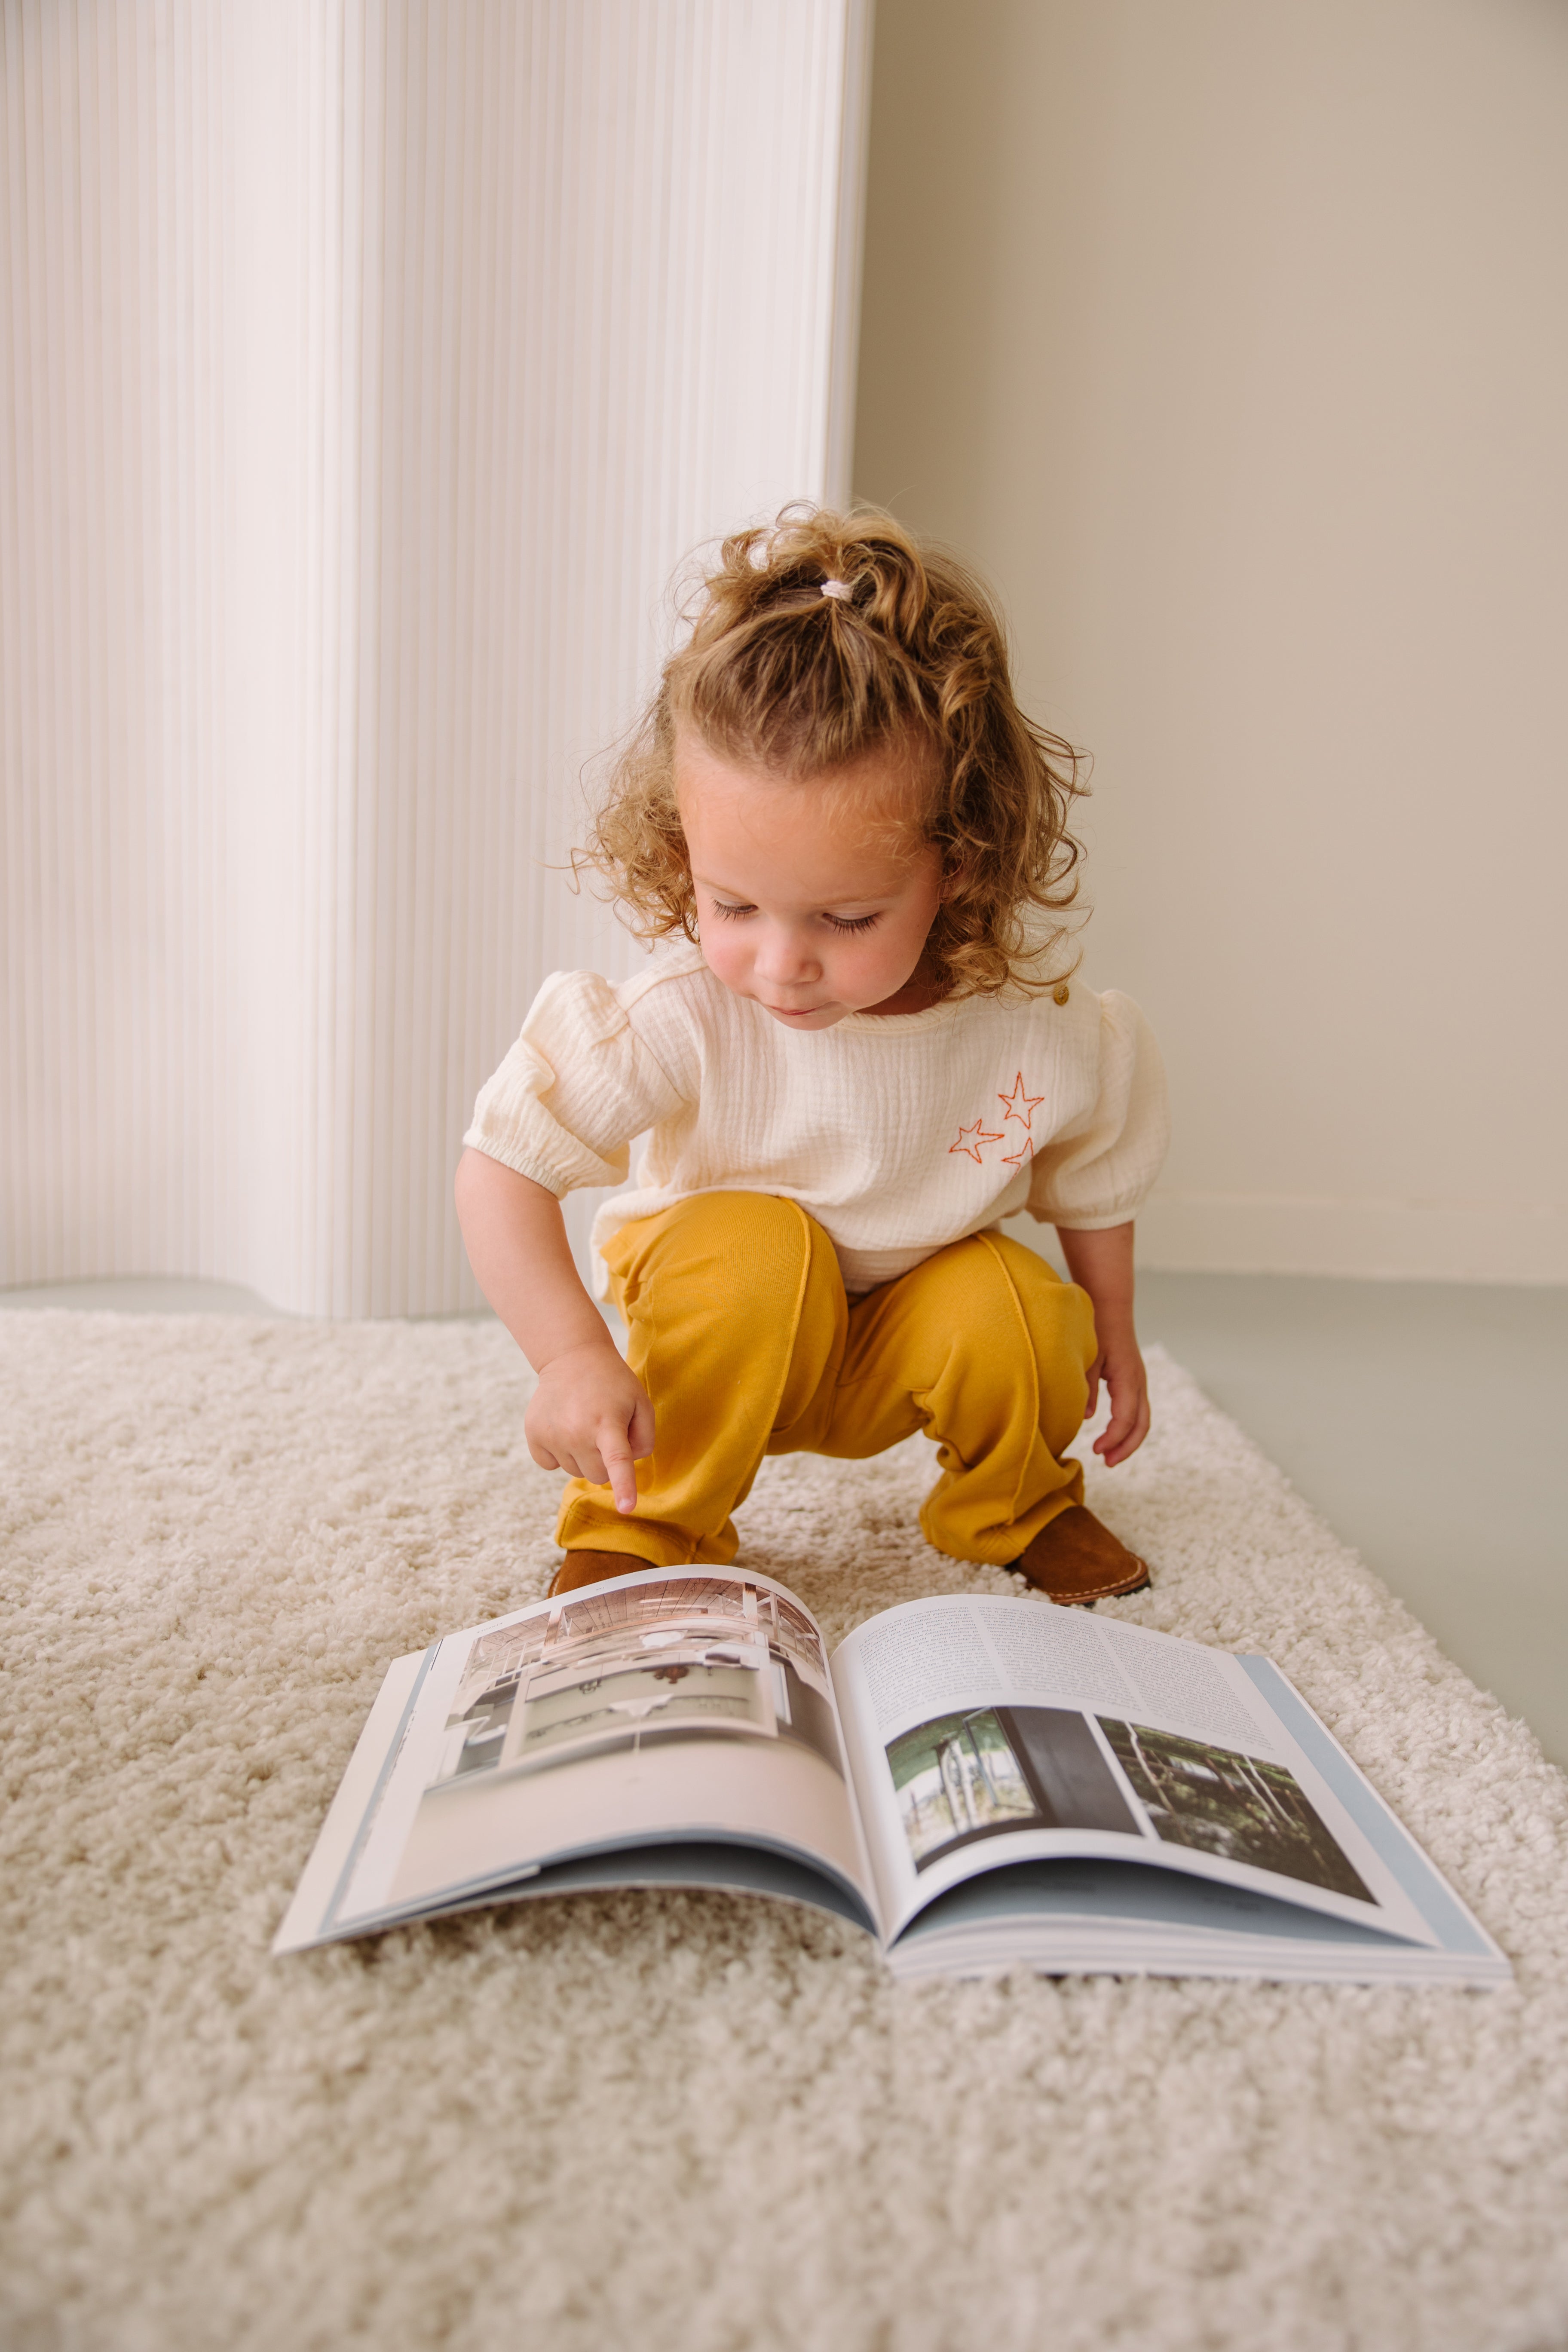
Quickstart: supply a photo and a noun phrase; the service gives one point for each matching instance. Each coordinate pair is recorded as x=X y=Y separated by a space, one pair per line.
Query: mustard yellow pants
x=741 y=1332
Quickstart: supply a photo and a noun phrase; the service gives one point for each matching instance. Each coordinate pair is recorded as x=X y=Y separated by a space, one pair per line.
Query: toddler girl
x=853 y=1054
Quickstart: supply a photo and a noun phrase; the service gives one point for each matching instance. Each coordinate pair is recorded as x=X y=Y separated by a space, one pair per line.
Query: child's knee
x=998 y=1296
x=1010 y=1335
x=750 y=1253
x=735 y=1304
x=1059 y=1316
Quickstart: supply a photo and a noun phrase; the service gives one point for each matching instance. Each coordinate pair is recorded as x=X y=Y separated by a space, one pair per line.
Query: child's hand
x=1120 y=1365
x=592 y=1417
x=1101 y=1262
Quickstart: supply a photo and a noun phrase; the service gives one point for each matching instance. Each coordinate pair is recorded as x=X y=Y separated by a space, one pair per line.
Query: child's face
x=808 y=901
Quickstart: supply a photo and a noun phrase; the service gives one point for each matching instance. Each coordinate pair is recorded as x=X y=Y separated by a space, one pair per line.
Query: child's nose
x=785 y=954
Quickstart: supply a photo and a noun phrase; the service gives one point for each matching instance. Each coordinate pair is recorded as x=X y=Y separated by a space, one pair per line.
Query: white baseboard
x=1409 y=1241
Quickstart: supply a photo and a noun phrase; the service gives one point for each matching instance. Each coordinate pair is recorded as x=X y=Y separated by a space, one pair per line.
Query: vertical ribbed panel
x=113 y=552
x=367 y=370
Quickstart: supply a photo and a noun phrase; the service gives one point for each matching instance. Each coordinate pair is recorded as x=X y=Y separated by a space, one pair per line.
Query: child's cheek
x=871 y=968
x=726 y=959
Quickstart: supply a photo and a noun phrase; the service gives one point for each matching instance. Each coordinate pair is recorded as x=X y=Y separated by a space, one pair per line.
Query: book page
x=984 y=1731
x=666 y=1707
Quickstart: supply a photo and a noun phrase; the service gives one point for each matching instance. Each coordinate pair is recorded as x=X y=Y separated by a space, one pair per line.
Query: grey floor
x=1423 y=1419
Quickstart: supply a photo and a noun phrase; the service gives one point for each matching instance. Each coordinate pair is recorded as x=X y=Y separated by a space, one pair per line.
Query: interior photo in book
x=1222 y=1803
x=990 y=1770
x=648 y=1708
x=697 y=1657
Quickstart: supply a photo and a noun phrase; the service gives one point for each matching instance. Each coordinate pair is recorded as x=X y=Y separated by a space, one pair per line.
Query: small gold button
x=1060 y=996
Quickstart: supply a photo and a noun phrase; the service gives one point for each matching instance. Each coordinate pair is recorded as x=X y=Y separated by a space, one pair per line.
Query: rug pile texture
x=689 y=2123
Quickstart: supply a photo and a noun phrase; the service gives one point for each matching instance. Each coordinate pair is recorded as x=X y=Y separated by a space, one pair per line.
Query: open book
x=975 y=1782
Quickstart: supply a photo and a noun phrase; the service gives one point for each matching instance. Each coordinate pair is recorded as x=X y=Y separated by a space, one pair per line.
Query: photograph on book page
x=984 y=1730
x=654 y=1706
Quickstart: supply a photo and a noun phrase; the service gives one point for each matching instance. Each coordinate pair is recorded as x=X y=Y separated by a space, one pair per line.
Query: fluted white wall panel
x=114 y=548
x=368 y=369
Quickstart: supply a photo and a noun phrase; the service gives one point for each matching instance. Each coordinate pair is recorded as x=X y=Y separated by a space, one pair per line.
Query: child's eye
x=850 y=922
x=721 y=907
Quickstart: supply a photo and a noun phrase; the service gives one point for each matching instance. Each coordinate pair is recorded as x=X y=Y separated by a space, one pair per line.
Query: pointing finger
x=618 y=1471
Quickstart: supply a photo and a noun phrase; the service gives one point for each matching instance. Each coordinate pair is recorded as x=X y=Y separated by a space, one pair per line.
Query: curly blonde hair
x=776 y=675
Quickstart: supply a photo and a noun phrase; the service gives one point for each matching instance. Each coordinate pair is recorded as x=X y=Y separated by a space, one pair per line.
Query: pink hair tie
x=838 y=588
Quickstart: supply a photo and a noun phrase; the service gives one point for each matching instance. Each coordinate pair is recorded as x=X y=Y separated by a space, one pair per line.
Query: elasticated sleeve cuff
x=573 y=1090
x=1100 y=1172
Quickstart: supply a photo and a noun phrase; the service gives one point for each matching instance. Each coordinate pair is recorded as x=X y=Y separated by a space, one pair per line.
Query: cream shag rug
x=686 y=2123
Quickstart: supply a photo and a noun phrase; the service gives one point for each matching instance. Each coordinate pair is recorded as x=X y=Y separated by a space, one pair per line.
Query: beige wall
x=1230 y=337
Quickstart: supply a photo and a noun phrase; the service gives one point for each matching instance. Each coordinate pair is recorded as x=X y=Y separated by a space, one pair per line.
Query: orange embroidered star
x=981 y=1136
x=1018 y=1105
x=1016 y=1158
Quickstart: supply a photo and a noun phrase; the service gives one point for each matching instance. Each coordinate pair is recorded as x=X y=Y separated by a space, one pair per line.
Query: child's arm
x=590 y=1415
x=1101 y=1264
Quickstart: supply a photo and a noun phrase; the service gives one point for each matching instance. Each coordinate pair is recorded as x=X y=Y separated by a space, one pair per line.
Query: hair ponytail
x=815 y=642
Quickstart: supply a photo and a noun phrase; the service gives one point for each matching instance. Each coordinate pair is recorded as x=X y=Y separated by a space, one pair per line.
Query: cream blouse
x=898 y=1132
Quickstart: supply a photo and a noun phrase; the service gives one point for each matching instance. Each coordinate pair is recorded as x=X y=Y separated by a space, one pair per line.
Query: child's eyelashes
x=735 y=914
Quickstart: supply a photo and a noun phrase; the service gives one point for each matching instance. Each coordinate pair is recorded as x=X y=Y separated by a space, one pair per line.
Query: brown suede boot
x=1075 y=1560
x=593 y=1567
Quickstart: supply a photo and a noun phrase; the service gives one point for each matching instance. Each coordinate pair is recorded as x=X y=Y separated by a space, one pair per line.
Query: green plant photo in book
x=977 y=1782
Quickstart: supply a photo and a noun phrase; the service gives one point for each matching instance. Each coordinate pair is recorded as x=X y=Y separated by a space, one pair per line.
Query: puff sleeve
x=1098 y=1170
x=575 y=1088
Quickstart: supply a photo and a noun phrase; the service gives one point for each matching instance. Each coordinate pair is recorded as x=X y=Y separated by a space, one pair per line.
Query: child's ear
x=954 y=872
